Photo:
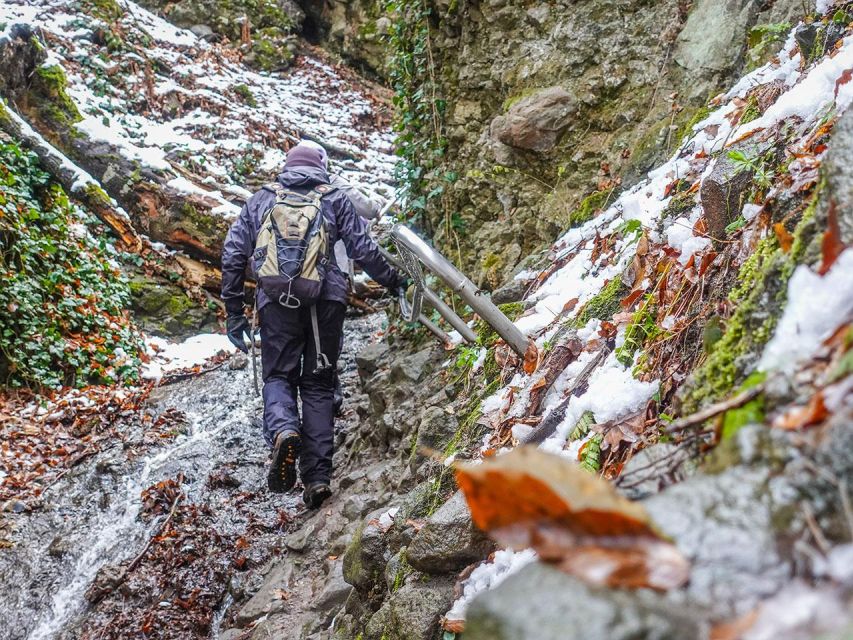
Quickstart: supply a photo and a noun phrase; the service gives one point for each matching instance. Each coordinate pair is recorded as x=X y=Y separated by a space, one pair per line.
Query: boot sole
x=282 y=474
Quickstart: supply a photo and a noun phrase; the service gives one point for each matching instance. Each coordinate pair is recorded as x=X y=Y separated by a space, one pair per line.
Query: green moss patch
x=589 y=207
x=603 y=305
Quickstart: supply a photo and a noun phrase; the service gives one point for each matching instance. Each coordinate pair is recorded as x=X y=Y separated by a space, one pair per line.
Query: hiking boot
x=315 y=494
x=285 y=453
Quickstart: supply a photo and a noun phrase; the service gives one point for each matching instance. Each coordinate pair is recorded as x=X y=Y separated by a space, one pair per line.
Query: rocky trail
x=658 y=196
x=198 y=497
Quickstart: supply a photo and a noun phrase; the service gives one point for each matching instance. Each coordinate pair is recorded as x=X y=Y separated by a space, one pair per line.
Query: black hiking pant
x=288 y=358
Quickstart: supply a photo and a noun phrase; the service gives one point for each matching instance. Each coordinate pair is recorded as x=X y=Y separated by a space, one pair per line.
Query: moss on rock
x=589 y=207
x=50 y=99
x=603 y=305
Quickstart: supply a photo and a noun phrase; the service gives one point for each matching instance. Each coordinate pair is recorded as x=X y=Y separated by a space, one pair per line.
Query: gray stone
x=839 y=176
x=449 y=540
x=724 y=525
x=357 y=505
x=541 y=603
x=370 y=358
x=805 y=35
x=300 y=540
x=335 y=591
x=396 y=570
x=511 y=291
x=417 y=607
x=203 y=31
x=535 y=122
x=413 y=368
x=58 y=547
x=238 y=361
x=437 y=428
x=654 y=468
x=713 y=36
x=366 y=556
x=268 y=599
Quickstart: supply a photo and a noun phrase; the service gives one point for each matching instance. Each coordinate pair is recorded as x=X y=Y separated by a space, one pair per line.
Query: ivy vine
x=63 y=301
x=420 y=110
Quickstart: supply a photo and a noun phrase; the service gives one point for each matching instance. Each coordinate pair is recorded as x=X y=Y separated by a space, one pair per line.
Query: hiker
x=301 y=300
x=367 y=208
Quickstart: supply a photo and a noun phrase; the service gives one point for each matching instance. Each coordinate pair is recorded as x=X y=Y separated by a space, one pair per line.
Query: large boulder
x=536 y=121
x=541 y=603
x=449 y=540
x=713 y=36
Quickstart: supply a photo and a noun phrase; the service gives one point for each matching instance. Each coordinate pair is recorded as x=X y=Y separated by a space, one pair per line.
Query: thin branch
x=716 y=409
x=160 y=530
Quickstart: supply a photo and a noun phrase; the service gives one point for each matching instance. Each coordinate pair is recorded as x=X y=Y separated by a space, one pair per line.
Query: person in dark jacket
x=288 y=345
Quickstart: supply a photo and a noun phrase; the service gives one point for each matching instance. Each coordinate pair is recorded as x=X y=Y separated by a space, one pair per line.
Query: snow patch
x=488 y=576
x=168 y=356
x=817 y=306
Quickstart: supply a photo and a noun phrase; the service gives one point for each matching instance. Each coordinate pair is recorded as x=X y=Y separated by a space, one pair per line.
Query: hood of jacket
x=306 y=177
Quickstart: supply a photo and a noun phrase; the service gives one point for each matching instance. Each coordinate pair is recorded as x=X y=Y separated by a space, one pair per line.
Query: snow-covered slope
x=185 y=107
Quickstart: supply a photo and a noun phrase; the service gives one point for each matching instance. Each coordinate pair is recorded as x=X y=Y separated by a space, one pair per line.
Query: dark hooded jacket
x=342 y=223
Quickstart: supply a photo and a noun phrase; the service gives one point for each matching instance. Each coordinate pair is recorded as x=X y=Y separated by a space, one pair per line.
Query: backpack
x=292 y=250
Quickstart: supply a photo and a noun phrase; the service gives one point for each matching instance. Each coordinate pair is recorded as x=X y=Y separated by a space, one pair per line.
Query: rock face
x=541 y=603
x=548 y=103
x=449 y=540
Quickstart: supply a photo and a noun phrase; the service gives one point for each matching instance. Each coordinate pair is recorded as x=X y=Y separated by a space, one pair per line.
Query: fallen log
x=76 y=182
x=555 y=362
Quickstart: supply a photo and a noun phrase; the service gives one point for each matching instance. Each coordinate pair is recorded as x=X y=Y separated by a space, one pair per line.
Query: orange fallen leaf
x=783 y=236
x=800 y=417
x=531 y=357
x=831 y=246
x=453 y=626
x=573 y=519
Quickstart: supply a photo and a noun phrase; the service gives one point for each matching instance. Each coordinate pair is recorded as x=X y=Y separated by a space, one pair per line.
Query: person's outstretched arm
x=362 y=248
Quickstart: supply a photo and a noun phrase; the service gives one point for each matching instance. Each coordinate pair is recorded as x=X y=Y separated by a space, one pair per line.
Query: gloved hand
x=238 y=331
x=402 y=286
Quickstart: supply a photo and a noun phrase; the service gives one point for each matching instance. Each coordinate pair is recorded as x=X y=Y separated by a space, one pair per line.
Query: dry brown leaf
x=531 y=357
x=784 y=237
x=573 y=519
x=800 y=417
x=831 y=246
x=453 y=626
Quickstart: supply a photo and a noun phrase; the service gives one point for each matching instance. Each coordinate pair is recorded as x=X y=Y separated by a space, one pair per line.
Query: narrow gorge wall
x=543 y=112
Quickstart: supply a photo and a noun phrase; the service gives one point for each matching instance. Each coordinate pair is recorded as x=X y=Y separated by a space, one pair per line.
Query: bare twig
x=817 y=534
x=135 y=562
x=549 y=425
x=716 y=409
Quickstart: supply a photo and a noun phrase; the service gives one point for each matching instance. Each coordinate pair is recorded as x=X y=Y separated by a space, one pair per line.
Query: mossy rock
x=49 y=98
x=165 y=309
